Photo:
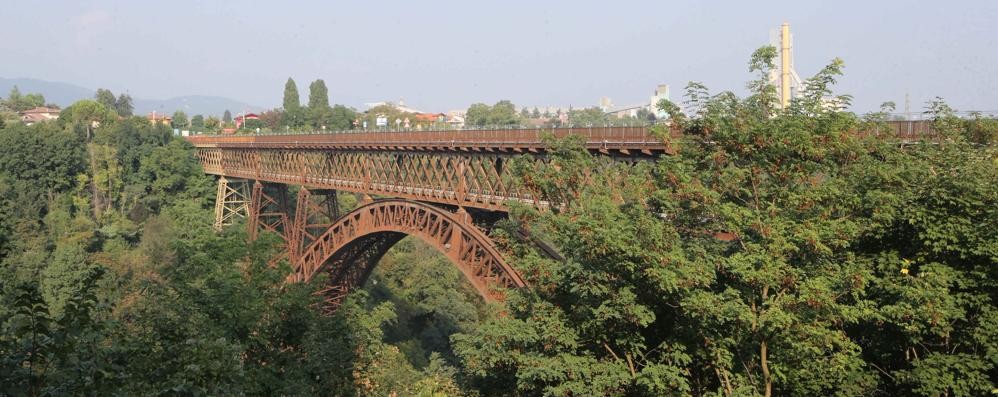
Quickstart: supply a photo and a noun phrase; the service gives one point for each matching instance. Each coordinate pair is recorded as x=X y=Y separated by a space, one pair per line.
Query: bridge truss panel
x=350 y=248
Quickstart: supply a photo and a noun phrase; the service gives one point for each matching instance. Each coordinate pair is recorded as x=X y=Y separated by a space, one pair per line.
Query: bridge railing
x=635 y=137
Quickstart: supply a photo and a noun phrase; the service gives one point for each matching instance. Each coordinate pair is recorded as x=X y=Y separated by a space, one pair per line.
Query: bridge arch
x=350 y=248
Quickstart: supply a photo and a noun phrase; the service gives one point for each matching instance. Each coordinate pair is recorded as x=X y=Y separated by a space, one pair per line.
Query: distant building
x=41 y=113
x=159 y=119
x=661 y=92
x=455 y=118
x=242 y=119
x=400 y=106
x=784 y=77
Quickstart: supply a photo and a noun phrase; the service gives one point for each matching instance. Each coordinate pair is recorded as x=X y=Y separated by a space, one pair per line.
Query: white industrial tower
x=784 y=77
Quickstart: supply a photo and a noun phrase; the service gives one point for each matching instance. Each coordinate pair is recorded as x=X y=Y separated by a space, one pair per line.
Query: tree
x=18 y=102
x=44 y=154
x=272 y=119
x=124 y=105
x=318 y=95
x=524 y=113
x=294 y=115
x=503 y=113
x=197 y=122
x=212 y=123
x=477 y=114
x=179 y=120
x=291 y=99
x=86 y=115
x=227 y=116
x=588 y=117
x=342 y=118
x=536 y=113
x=105 y=97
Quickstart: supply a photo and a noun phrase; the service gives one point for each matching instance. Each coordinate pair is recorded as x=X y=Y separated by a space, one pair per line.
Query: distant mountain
x=64 y=94
x=194 y=104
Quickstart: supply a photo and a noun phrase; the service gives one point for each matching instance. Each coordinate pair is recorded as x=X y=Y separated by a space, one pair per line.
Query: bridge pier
x=315 y=211
x=268 y=210
x=232 y=201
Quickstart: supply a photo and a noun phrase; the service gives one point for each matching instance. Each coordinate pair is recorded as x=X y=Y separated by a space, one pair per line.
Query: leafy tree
x=931 y=249
x=227 y=116
x=18 y=102
x=477 y=115
x=84 y=116
x=272 y=119
x=105 y=97
x=588 y=117
x=179 y=119
x=318 y=95
x=292 y=100
x=212 y=123
x=197 y=122
x=47 y=156
x=524 y=113
x=123 y=105
x=503 y=113
x=536 y=113
x=342 y=118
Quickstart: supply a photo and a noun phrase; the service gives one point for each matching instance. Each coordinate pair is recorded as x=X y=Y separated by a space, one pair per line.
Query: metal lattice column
x=231 y=202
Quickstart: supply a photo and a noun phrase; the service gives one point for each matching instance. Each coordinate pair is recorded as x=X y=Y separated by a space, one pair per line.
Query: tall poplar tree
x=318 y=95
x=291 y=99
x=293 y=113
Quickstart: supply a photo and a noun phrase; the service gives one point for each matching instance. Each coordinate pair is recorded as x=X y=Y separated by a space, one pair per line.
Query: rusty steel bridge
x=444 y=187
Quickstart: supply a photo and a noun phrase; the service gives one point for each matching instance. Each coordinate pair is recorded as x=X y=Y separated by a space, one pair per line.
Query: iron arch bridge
x=444 y=187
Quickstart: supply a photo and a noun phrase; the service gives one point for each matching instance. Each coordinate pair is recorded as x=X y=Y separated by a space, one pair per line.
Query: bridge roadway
x=465 y=168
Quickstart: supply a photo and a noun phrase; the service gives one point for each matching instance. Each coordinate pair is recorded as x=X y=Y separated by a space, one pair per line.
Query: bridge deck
x=462 y=167
x=596 y=138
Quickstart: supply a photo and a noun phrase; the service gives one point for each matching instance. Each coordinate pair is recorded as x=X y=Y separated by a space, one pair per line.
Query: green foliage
x=777 y=253
x=179 y=120
x=197 y=122
x=500 y=114
x=105 y=97
x=48 y=156
x=292 y=100
x=123 y=105
x=17 y=102
x=85 y=116
x=318 y=95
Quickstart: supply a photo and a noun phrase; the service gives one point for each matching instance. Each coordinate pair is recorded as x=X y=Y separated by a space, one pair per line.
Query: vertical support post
x=256 y=199
x=268 y=211
x=461 y=190
x=296 y=240
x=231 y=201
x=311 y=218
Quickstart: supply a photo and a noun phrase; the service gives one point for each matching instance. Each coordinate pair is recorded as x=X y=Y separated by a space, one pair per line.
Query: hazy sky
x=443 y=55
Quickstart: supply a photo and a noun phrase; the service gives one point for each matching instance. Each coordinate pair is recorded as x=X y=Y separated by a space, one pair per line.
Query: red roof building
x=241 y=119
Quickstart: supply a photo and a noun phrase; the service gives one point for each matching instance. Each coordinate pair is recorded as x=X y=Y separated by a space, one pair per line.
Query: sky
x=445 y=55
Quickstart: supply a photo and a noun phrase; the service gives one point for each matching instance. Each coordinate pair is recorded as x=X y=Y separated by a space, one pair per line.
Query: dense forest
x=776 y=252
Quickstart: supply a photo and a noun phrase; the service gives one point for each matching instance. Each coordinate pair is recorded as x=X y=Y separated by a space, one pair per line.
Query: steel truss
x=345 y=248
x=232 y=201
x=477 y=180
x=349 y=249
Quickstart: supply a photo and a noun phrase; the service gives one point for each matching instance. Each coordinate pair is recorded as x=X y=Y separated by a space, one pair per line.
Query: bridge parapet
x=638 y=139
